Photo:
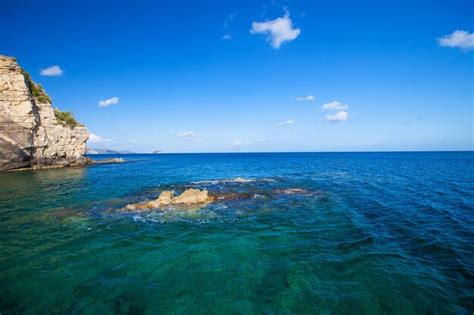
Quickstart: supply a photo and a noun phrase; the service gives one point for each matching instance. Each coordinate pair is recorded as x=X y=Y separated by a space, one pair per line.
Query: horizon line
x=283 y=152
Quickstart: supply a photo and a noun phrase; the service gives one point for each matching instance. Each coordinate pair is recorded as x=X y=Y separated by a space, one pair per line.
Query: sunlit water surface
x=378 y=233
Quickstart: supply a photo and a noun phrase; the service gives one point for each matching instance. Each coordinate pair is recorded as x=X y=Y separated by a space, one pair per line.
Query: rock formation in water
x=189 y=199
x=193 y=199
x=108 y=161
x=32 y=133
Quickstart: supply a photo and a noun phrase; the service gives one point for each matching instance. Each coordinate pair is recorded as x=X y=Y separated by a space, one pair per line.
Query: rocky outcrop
x=107 y=161
x=192 y=196
x=165 y=198
x=189 y=199
x=193 y=199
x=32 y=134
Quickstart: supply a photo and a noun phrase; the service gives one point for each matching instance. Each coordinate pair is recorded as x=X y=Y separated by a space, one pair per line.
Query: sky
x=253 y=76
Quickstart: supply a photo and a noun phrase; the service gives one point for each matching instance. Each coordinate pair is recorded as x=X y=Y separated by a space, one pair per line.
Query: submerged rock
x=292 y=191
x=231 y=196
x=106 y=161
x=300 y=192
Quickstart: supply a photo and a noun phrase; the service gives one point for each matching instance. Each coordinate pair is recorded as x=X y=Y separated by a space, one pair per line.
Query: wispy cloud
x=188 y=135
x=458 y=39
x=229 y=19
x=227 y=23
x=53 y=71
x=185 y=134
x=278 y=31
x=263 y=140
x=337 y=117
x=286 y=122
x=307 y=98
x=96 y=139
x=334 y=105
x=410 y=122
x=108 y=102
x=241 y=143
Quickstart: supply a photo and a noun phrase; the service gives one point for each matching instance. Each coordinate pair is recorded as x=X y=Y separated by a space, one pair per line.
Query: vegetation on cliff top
x=65 y=118
x=36 y=89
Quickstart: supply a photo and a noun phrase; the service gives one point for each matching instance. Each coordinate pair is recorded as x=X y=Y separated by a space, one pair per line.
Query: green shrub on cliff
x=62 y=118
x=65 y=118
x=36 y=89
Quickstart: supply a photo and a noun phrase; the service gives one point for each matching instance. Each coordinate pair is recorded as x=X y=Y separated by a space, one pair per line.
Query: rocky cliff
x=32 y=133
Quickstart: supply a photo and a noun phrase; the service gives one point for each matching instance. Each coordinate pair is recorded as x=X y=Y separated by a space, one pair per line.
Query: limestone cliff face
x=31 y=135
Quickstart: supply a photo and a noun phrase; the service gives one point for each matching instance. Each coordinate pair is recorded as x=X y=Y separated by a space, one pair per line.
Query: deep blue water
x=374 y=233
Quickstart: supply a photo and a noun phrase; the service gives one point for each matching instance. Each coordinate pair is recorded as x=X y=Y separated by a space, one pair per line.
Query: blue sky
x=243 y=76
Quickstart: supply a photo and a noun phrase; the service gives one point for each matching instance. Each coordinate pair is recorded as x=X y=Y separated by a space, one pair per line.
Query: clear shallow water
x=388 y=233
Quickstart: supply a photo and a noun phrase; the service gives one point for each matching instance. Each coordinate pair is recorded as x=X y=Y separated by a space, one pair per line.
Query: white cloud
x=188 y=135
x=337 y=117
x=458 y=39
x=334 y=105
x=108 y=102
x=240 y=142
x=307 y=98
x=286 y=122
x=93 y=138
x=226 y=36
x=53 y=71
x=278 y=30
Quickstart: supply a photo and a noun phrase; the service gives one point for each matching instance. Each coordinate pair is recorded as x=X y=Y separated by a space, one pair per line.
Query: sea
x=308 y=233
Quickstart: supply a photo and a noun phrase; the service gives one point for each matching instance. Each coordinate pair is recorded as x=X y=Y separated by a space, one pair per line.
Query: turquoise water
x=372 y=233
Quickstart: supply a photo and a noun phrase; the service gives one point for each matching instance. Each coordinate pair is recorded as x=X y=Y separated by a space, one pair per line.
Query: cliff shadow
x=15 y=146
